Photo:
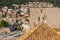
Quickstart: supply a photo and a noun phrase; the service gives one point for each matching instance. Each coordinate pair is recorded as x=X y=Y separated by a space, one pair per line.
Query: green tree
x=7 y=2
x=3 y=23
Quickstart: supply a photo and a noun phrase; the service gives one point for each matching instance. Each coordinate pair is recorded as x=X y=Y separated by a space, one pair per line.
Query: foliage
x=3 y=23
x=9 y=2
x=20 y=28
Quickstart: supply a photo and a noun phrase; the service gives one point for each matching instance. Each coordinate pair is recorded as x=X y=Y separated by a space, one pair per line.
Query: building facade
x=50 y=15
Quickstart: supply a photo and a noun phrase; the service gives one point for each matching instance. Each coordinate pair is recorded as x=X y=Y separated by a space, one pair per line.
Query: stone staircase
x=41 y=32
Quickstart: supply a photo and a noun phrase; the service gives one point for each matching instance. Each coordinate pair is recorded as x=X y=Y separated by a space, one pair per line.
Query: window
x=43 y=18
x=41 y=10
x=38 y=18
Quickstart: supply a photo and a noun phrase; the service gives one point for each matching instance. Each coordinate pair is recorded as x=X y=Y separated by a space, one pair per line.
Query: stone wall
x=52 y=16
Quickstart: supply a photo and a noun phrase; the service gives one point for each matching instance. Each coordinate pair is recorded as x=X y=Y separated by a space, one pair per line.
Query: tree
x=3 y=23
x=7 y=2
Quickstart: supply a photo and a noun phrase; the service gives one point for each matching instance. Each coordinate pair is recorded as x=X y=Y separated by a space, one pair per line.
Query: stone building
x=50 y=15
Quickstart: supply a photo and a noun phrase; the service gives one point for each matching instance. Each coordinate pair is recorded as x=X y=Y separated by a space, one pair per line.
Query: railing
x=40 y=32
